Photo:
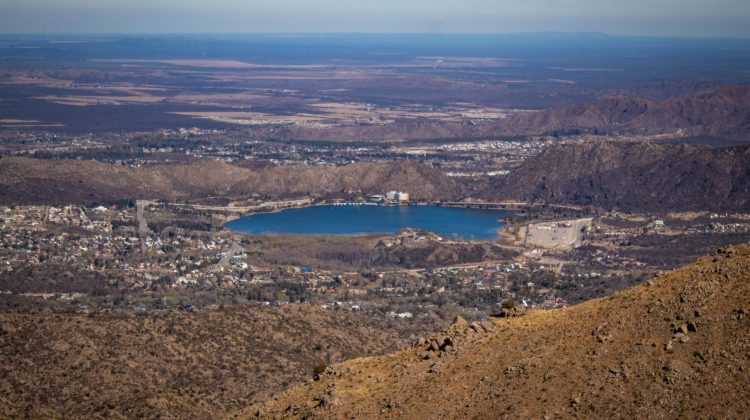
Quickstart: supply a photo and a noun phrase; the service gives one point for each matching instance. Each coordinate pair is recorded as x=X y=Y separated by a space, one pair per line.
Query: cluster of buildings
x=105 y=243
x=76 y=216
x=481 y=158
x=410 y=236
x=391 y=197
x=516 y=148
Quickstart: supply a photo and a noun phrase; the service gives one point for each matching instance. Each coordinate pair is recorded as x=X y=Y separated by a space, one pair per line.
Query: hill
x=724 y=113
x=422 y=182
x=673 y=347
x=635 y=176
x=175 y=364
x=631 y=176
x=24 y=180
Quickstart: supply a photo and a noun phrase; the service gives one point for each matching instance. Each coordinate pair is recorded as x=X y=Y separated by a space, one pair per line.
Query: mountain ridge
x=723 y=113
x=671 y=347
x=29 y=181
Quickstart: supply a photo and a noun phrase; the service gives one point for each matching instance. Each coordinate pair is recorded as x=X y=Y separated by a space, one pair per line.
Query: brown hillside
x=724 y=113
x=675 y=347
x=24 y=180
x=422 y=182
x=633 y=176
x=174 y=364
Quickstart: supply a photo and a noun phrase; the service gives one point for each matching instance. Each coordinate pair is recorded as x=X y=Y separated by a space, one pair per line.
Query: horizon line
x=309 y=33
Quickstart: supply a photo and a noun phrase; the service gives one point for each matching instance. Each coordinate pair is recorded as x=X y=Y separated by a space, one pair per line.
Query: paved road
x=140 y=216
x=235 y=248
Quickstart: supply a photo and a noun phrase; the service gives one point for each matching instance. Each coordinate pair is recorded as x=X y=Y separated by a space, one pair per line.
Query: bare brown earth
x=24 y=180
x=674 y=347
x=172 y=364
x=633 y=176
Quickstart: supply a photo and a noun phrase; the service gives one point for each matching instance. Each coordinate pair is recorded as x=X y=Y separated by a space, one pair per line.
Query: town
x=102 y=256
x=477 y=158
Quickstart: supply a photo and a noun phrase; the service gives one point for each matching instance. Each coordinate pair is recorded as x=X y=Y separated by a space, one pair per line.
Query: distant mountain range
x=724 y=113
x=720 y=114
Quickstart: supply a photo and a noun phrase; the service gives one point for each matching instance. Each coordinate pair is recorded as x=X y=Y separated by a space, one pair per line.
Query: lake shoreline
x=360 y=219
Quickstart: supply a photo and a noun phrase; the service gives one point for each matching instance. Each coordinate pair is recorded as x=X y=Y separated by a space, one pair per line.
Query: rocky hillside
x=724 y=113
x=24 y=180
x=676 y=346
x=422 y=182
x=174 y=364
x=633 y=176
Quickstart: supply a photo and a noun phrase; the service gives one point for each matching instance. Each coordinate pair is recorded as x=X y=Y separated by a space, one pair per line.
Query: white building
x=397 y=197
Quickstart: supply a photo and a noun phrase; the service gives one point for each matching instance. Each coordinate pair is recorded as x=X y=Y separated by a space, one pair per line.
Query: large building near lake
x=391 y=197
x=397 y=197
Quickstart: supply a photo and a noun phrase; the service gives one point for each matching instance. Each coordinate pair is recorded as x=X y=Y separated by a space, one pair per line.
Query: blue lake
x=365 y=219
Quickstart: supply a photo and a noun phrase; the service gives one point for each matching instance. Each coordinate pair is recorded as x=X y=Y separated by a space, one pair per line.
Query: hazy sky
x=636 y=17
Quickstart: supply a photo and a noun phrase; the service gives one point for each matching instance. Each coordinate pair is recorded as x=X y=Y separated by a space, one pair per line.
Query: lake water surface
x=365 y=219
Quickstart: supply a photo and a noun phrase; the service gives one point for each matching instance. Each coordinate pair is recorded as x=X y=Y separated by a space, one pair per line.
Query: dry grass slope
x=24 y=180
x=677 y=346
x=174 y=364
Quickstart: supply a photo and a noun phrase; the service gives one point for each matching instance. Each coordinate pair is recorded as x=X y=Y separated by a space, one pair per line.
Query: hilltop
x=675 y=346
x=422 y=181
x=24 y=180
